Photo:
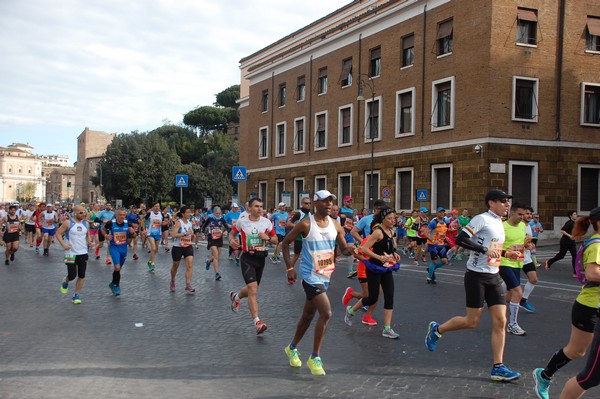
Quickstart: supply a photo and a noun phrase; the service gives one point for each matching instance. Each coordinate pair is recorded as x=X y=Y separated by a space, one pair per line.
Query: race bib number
x=49 y=222
x=521 y=249
x=185 y=241
x=120 y=237
x=216 y=233
x=135 y=227
x=254 y=243
x=156 y=223
x=324 y=262
x=496 y=246
x=281 y=222
x=348 y=223
x=13 y=227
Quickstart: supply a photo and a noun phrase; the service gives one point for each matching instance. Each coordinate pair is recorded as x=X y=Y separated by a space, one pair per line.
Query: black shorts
x=164 y=228
x=181 y=252
x=480 y=287
x=312 y=291
x=511 y=276
x=214 y=243
x=100 y=236
x=30 y=228
x=363 y=280
x=10 y=237
x=77 y=269
x=252 y=267
x=420 y=241
x=530 y=267
x=280 y=237
x=297 y=247
x=583 y=317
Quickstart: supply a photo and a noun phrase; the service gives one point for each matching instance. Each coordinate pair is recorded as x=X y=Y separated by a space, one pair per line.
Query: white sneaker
x=389 y=333
x=515 y=329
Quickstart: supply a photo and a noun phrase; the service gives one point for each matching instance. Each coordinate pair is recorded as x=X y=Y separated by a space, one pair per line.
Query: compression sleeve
x=465 y=241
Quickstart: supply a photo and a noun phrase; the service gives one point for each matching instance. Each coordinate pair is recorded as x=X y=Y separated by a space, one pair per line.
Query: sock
x=313 y=355
x=527 y=290
x=236 y=298
x=116 y=277
x=256 y=319
x=439 y=264
x=559 y=360
x=351 y=311
x=497 y=365
x=386 y=327
x=38 y=241
x=292 y=346
x=431 y=270
x=514 y=312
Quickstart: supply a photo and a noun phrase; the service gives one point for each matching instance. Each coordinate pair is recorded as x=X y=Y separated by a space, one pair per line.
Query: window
x=404 y=189
x=405 y=112
x=442 y=113
x=372 y=127
x=280 y=139
x=588 y=187
x=10 y=169
x=523 y=182
x=265 y=100
x=525 y=95
x=301 y=88
x=279 y=190
x=526 y=26
x=345 y=126
x=20 y=170
x=298 y=191
x=282 y=92
x=590 y=104
x=320 y=182
x=262 y=193
x=321 y=133
x=441 y=186
x=346 y=77
x=344 y=185
x=408 y=50
x=371 y=191
x=375 y=64
x=322 y=81
x=263 y=143
x=592 y=34
x=444 y=37
x=299 y=135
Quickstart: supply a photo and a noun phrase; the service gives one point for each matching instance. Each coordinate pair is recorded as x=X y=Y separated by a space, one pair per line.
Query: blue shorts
x=155 y=237
x=437 y=251
x=401 y=232
x=511 y=276
x=118 y=255
x=349 y=238
x=50 y=232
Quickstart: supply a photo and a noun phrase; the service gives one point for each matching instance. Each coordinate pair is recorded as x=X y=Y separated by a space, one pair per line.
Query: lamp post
x=371 y=85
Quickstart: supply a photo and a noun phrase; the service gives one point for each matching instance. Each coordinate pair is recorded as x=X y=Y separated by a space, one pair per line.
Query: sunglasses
x=503 y=200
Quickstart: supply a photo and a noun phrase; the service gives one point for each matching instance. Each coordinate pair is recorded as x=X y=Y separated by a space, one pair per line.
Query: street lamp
x=371 y=85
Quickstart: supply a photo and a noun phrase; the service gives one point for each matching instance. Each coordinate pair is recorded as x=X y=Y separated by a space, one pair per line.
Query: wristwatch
x=485 y=249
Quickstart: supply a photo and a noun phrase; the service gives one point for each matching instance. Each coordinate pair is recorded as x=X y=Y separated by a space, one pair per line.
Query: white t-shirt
x=527 y=253
x=485 y=229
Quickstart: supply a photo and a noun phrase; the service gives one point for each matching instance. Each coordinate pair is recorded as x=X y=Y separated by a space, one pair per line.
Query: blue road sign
x=422 y=195
x=181 y=180
x=238 y=173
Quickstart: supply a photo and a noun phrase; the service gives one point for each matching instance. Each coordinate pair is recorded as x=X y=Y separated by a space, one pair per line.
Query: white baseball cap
x=282 y=204
x=322 y=195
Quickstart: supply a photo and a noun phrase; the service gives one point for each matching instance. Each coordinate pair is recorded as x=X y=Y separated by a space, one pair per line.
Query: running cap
x=379 y=203
x=595 y=214
x=235 y=205
x=440 y=209
x=424 y=210
x=494 y=195
x=282 y=204
x=323 y=195
x=454 y=210
x=346 y=198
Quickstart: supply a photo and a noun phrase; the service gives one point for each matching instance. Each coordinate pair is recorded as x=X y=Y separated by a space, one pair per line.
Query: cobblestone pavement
x=195 y=347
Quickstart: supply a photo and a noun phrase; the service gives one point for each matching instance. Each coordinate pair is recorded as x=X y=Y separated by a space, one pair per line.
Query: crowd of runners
x=500 y=244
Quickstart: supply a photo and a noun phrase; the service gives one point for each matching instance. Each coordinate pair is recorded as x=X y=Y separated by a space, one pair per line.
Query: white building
x=21 y=174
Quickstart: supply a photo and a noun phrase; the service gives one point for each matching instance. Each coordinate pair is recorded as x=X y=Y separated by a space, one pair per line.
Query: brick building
x=449 y=96
x=91 y=146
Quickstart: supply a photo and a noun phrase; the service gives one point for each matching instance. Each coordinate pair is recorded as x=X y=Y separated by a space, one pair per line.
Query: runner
x=117 y=231
x=256 y=231
x=584 y=314
x=165 y=226
x=215 y=226
x=318 y=262
x=133 y=219
x=231 y=218
x=301 y=214
x=482 y=282
x=30 y=218
x=436 y=243
x=154 y=220
x=196 y=223
x=347 y=221
x=566 y=243
x=529 y=266
x=49 y=218
x=38 y=227
x=463 y=221
x=11 y=225
x=182 y=234
x=411 y=225
x=75 y=243
x=279 y=219
x=94 y=225
x=423 y=222
x=536 y=228
x=105 y=216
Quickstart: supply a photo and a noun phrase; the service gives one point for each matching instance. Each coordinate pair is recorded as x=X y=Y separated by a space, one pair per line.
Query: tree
x=183 y=140
x=207 y=119
x=228 y=97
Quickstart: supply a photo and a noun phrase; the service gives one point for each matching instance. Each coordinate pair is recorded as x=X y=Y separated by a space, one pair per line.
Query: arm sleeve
x=465 y=241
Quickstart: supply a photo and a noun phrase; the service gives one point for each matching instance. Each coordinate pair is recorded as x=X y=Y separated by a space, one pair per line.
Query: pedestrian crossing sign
x=422 y=195
x=238 y=173
x=181 y=180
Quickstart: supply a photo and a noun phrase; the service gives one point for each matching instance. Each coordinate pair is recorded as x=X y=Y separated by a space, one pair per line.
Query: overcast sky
x=119 y=66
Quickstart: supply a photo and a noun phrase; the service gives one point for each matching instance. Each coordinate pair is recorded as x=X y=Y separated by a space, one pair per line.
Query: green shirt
x=410 y=231
x=463 y=221
x=590 y=293
x=514 y=241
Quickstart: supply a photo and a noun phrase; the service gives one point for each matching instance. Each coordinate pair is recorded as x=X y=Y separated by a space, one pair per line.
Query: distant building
x=91 y=146
x=55 y=160
x=60 y=184
x=21 y=174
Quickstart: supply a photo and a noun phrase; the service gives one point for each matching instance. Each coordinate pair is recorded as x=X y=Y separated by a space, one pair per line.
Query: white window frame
x=376 y=172
x=264 y=183
x=582 y=105
x=341 y=127
x=277 y=193
x=412 y=188
x=339 y=185
x=536 y=106
x=296 y=193
x=260 y=129
x=296 y=151
x=264 y=109
x=320 y=177
x=434 y=100
x=326 y=113
x=379 y=100
x=434 y=204
x=399 y=93
x=579 y=167
x=277 y=153
x=534 y=180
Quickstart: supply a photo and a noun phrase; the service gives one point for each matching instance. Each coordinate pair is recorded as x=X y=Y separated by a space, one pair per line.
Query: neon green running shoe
x=76 y=299
x=64 y=287
x=294 y=356
x=315 y=365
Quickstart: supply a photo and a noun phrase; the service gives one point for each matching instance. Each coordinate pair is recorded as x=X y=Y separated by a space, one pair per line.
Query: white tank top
x=185 y=241
x=77 y=237
x=317 y=260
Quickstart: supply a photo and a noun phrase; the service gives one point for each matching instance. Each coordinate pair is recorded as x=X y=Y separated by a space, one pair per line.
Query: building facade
x=91 y=146
x=60 y=184
x=429 y=103
x=21 y=174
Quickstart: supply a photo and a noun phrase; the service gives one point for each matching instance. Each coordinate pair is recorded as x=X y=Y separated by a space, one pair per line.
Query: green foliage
x=207 y=119
x=228 y=97
x=183 y=140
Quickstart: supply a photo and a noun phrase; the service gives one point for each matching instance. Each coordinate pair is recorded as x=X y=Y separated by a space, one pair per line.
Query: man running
x=316 y=266
x=256 y=232
x=154 y=220
x=12 y=226
x=483 y=236
x=49 y=218
x=436 y=243
x=104 y=217
x=76 y=241
x=279 y=219
x=116 y=232
x=30 y=218
x=302 y=213
x=529 y=264
x=133 y=219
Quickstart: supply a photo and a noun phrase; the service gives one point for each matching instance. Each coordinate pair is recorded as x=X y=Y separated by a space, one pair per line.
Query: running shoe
x=151 y=266
x=6 y=262
x=37 y=250
x=112 y=288
x=46 y=252
x=526 y=305
x=189 y=290
x=431 y=280
x=260 y=327
x=207 y=264
x=389 y=333
x=503 y=373
x=348 y=316
x=315 y=365
x=515 y=329
x=108 y=261
x=404 y=251
x=364 y=308
x=218 y=277
x=12 y=256
x=352 y=274
x=424 y=259
x=547 y=266
x=97 y=253
x=235 y=305
x=64 y=287
x=273 y=259
x=433 y=335
x=347 y=296
x=172 y=286
x=167 y=250
x=237 y=262
x=542 y=385
x=368 y=320
x=76 y=299
x=135 y=257
x=294 y=356
x=117 y=290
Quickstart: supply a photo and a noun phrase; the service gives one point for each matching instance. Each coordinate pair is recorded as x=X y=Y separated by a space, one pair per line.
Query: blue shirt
x=364 y=224
x=280 y=219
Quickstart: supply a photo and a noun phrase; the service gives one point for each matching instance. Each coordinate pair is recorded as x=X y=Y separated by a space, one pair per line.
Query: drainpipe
x=559 y=63
x=423 y=50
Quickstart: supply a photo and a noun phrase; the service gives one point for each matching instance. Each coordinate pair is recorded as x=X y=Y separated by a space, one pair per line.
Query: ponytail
x=582 y=224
